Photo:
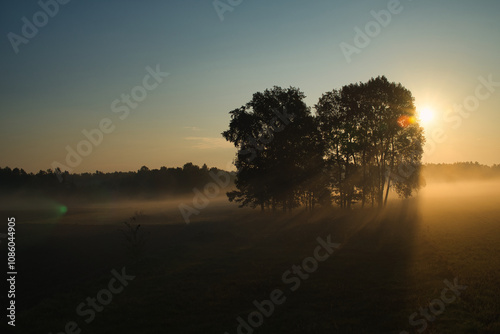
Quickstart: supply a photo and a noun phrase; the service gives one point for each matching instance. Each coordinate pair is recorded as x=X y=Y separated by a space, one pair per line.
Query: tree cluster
x=363 y=140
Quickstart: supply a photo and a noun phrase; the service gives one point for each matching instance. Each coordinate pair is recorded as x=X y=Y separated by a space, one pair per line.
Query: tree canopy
x=279 y=150
x=363 y=140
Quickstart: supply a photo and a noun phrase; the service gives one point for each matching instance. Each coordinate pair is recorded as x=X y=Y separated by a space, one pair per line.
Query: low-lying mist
x=478 y=191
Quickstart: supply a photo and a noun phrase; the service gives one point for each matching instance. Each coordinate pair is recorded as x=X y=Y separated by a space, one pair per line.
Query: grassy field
x=201 y=277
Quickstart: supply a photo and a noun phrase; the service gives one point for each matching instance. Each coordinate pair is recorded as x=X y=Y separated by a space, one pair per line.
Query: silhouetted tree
x=373 y=139
x=279 y=150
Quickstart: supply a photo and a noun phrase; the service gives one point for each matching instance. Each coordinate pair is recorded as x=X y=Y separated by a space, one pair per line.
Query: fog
x=448 y=229
x=443 y=191
x=166 y=210
x=474 y=195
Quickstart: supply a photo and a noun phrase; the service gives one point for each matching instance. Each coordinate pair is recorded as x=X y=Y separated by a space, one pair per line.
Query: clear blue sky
x=66 y=77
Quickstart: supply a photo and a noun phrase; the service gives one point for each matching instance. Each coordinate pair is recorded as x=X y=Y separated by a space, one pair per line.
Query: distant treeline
x=144 y=183
x=460 y=171
x=149 y=183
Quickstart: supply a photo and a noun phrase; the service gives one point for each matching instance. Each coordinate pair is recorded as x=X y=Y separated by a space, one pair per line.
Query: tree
x=278 y=148
x=373 y=141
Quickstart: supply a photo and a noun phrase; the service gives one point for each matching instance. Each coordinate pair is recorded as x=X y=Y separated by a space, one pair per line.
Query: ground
x=201 y=277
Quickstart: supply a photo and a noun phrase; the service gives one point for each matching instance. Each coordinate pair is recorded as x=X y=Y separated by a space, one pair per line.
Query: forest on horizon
x=172 y=181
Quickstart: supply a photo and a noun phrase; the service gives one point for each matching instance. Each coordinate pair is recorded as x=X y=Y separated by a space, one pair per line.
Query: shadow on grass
x=363 y=287
x=201 y=277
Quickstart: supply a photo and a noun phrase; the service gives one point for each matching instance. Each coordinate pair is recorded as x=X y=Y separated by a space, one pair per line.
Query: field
x=267 y=270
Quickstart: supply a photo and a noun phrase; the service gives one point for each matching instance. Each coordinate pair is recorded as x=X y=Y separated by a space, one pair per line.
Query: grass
x=199 y=278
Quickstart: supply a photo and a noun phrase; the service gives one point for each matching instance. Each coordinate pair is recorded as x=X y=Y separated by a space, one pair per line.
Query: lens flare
x=404 y=121
x=63 y=209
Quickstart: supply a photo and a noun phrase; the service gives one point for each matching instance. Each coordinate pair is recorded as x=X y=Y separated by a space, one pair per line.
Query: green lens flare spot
x=63 y=209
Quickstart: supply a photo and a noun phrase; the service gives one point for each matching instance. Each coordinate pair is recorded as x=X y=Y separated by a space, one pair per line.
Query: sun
x=425 y=115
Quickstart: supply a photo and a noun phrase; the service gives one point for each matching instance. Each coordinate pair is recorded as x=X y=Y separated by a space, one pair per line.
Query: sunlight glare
x=426 y=115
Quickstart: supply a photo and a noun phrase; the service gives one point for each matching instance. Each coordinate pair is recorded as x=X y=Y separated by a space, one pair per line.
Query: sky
x=68 y=67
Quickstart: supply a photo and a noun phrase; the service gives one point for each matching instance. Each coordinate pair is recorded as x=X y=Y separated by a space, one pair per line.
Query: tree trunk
x=363 y=198
x=387 y=190
x=390 y=171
